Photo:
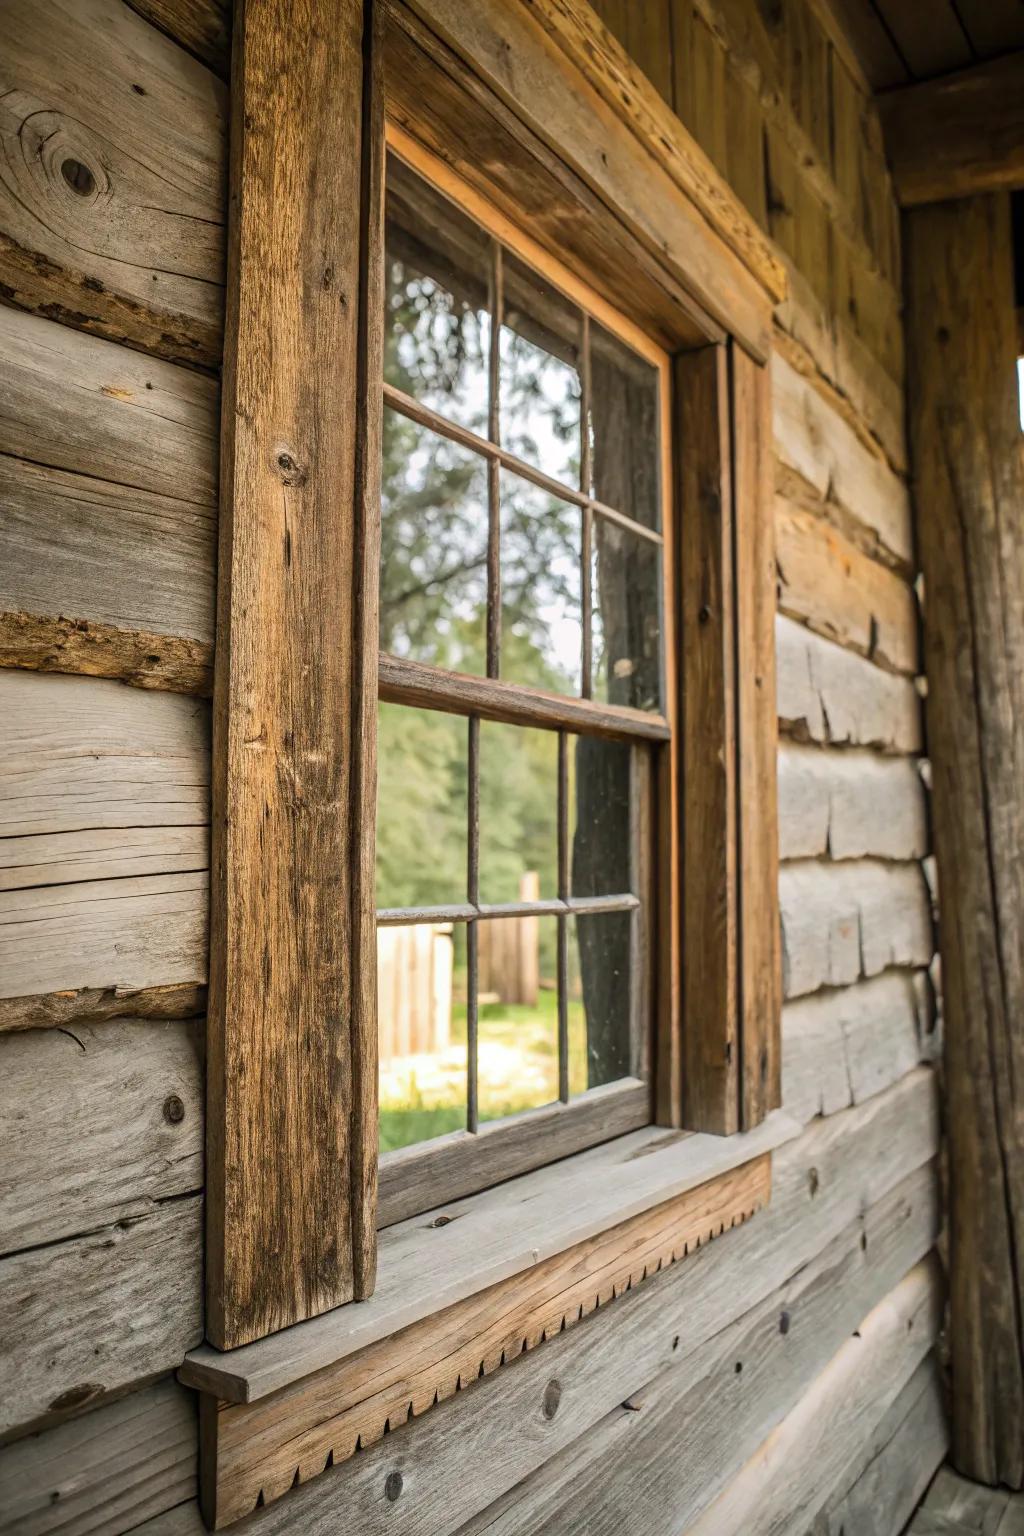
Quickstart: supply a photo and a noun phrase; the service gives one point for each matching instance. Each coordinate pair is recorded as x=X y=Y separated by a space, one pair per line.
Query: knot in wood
x=289 y=469
x=174 y=1109
x=552 y=1398
x=393 y=1485
x=78 y=177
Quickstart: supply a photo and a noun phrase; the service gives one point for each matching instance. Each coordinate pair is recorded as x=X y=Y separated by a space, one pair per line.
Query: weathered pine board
x=98 y=1121
x=434 y=1261
x=841 y=1046
x=956 y=1506
x=847 y=920
x=666 y=1322
x=104 y=1472
x=892 y=1467
x=201 y=26
x=850 y=805
x=828 y=583
x=127 y=934
x=791 y=1471
x=830 y=695
x=88 y=1317
x=253 y=1453
x=113 y=150
x=822 y=448
x=64 y=536
x=671 y=1447
x=969 y=472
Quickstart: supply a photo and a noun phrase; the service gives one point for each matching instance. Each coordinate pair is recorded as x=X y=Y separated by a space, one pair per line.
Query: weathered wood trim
x=587 y=173
x=757 y=737
x=44 y=643
x=292 y=1030
x=135 y=251
x=254 y=1453
x=968 y=460
x=201 y=26
x=94 y=1005
x=958 y=135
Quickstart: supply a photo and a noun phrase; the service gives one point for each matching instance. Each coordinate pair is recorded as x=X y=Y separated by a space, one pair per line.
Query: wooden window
x=525 y=623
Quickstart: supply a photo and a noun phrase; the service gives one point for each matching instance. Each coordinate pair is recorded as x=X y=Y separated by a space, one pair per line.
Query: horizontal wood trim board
x=93 y=1005
x=53 y=643
x=254 y=1453
x=958 y=135
x=435 y=1260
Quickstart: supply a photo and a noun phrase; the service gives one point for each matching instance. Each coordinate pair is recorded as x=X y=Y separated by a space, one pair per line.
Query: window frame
x=577 y=146
x=415 y=1178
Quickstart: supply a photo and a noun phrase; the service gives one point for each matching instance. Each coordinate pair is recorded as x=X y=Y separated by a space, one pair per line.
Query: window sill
x=437 y=1260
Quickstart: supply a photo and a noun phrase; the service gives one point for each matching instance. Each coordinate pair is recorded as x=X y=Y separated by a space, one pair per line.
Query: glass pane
x=433 y=567
x=624 y=429
x=421 y=1023
x=599 y=816
x=422 y=807
x=541 y=599
x=438 y=324
x=600 y=1001
x=518 y=1018
x=627 y=617
x=518 y=813
x=539 y=391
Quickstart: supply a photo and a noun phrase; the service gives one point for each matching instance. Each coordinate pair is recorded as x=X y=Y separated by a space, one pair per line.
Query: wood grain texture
x=105 y=1472
x=446 y=1256
x=831 y=696
x=707 y=723
x=845 y=1044
x=828 y=583
x=850 y=805
x=131 y=244
x=100 y=1121
x=563 y=107
x=822 y=448
x=292 y=1038
x=893 y=1466
x=690 y=1437
x=957 y=136
x=201 y=26
x=630 y=94
x=89 y=1317
x=968 y=456
x=844 y=921
x=858 y=1158
x=754 y=572
x=95 y=1005
x=254 y=1452
x=817 y=1436
x=60 y=610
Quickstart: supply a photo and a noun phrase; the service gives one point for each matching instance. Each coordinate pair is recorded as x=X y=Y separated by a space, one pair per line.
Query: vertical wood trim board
x=968 y=465
x=255 y=1452
x=292 y=1070
x=731 y=950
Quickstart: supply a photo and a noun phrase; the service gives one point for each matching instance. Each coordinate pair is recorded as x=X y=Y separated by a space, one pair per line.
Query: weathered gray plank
x=133 y=933
x=660 y=1458
x=813 y=440
x=822 y=1183
x=101 y=1474
x=89 y=1317
x=789 y=1476
x=830 y=695
x=850 y=805
x=893 y=1466
x=77 y=403
x=131 y=243
x=841 y=1046
x=98 y=1121
x=957 y=1504
x=844 y=921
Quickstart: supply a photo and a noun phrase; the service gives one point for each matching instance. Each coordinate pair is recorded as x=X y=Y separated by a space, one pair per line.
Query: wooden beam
x=968 y=465
x=958 y=135
x=292 y=1035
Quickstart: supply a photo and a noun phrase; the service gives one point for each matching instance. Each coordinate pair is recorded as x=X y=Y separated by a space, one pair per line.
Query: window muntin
x=506 y=560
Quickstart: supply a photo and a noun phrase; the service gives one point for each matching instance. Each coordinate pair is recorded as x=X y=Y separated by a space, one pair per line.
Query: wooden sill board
x=436 y=1260
x=252 y=1453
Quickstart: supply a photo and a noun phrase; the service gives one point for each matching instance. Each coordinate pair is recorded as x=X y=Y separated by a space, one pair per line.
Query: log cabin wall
x=799 y=1372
